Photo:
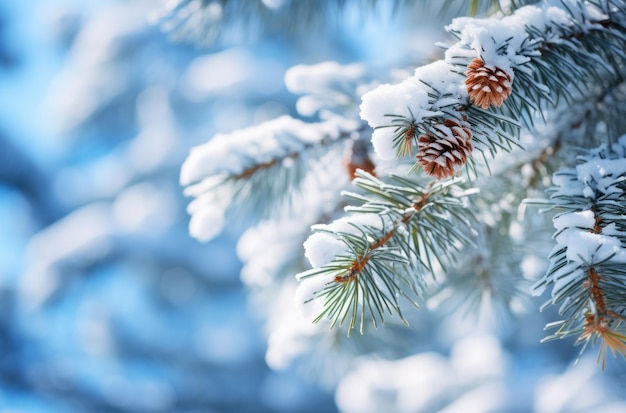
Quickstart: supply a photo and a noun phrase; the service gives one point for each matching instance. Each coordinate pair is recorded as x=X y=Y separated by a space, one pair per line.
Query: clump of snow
x=268 y=248
x=233 y=153
x=291 y=333
x=208 y=210
x=487 y=36
x=413 y=384
x=599 y=175
x=325 y=244
x=84 y=233
x=567 y=182
x=470 y=380
x=579 y=389
x=405 y=99
x=409 y=100
x=586 y=247
x=311 y=78
x=350 y=224
x=440 y=76
x=578 y=219
x=323 y=247
x=206 y=223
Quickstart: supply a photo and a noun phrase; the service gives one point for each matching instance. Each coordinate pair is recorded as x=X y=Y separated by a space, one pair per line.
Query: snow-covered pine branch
x=258 y=170
x=587 y=273
x=500 y=75
x=366 y=262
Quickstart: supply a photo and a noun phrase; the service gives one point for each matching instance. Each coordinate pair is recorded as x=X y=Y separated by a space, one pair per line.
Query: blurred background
x=106 y=303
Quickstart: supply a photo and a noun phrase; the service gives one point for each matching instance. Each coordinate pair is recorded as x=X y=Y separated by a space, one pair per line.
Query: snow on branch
x=398 y=231
x=499 y=76
x=258 y=168
x=587 y=271
x=364 y=263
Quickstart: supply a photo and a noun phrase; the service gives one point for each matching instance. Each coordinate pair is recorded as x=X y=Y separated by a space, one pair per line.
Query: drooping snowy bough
x=587 y=271
x=520 y=91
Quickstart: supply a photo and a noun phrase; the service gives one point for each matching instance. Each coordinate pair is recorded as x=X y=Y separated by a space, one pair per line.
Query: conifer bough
x=399 y=230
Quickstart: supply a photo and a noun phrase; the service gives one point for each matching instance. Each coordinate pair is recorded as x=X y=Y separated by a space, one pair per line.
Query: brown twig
x=359 y=263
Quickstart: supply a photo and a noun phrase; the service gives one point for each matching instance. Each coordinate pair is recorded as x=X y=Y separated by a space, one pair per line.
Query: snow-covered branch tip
x=364 y=263
x=498 y=77
x=259 y=168
x=587 y=266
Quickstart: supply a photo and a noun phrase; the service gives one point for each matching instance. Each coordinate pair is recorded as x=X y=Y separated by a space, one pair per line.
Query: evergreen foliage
x=587 y=272
x=435 y=205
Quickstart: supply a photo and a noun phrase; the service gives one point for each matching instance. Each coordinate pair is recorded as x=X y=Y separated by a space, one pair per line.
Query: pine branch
x=488 y=282
x=587 y=272
x=500 y=75
x=258 y=170
x=364 y=263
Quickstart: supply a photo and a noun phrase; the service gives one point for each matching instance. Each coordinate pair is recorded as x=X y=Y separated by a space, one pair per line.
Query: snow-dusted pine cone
x=487 y=86
x=446 y=149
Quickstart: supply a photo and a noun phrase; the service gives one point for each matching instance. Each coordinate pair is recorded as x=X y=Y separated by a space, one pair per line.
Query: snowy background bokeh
x=108 y=305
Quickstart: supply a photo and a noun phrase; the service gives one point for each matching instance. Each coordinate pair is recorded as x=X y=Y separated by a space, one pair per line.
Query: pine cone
x=441 y=152
x=487 y=86
x=357 y=157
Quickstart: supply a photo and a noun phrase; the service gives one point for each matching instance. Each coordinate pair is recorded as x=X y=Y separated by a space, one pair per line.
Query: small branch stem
x=598 y=322
x=359 y=263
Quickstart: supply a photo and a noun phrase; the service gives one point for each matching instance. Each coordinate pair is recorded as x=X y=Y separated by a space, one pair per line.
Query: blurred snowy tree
x=107 y=304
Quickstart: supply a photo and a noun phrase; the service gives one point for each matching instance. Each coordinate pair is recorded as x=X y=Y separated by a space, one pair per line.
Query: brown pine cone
x=487 y=86
x=357 y=157
x=445 y=149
